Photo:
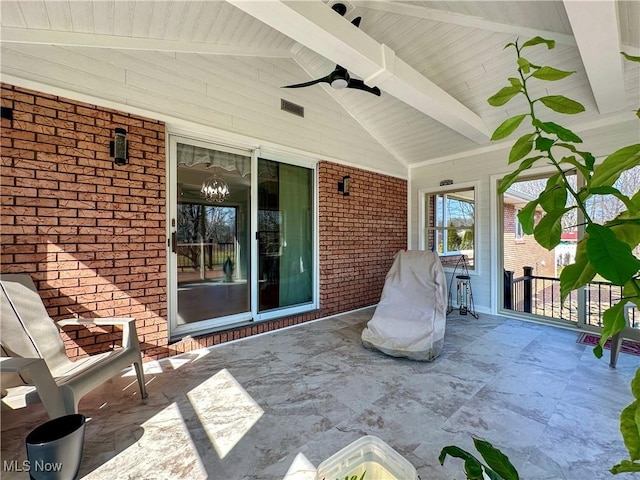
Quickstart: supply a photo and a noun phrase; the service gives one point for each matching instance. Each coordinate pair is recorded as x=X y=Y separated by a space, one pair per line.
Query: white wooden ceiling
x=222 y=64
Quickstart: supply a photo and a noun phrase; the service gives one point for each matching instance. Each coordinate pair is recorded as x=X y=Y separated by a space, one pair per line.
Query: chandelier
x=214 y=189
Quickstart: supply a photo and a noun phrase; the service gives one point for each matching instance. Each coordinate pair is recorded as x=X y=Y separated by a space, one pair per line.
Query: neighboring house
x=522 y=250
x=566 y=251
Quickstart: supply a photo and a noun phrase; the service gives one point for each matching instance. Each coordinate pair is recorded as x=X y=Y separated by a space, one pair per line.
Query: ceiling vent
x=291 y=107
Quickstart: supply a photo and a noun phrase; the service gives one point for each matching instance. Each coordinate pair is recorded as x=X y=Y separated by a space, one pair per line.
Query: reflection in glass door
x=211 y=240
x=285 y=235
x=242 y=237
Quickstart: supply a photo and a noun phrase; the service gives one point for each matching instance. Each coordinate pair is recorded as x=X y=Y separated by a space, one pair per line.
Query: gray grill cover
x=410 y=319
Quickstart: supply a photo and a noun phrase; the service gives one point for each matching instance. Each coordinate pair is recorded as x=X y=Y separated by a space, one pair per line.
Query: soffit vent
x=291 y=107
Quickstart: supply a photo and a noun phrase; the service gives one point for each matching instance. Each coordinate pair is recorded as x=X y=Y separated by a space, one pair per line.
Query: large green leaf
x=562 y=133
x=554 y=196
x=516 y=82
x=635 y=385
x=524 y=65
x=579 y=273
x=507 y=127
x=537 y=40
x=613 y=321
x=573 y=161
x=527 y=215
x=607 y=190
x=562 y=104
x=544 y=144
x=550 y=73
x=630 y=294
x=589 y=159
x=629 y=430
x=625 y=466
x=636 y=200
x=631 y=58
x=628 y=216
x=503 y=96
x=619 y=161
x=521 y=148
x=472 y=466
x=628 y=233
x=548 y=231
x=511 y=178
x=611 y=257
x=496 y=460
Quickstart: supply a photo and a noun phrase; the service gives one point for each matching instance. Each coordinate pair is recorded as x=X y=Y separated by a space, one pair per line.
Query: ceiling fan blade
x=307 y=84
x=359 y=85
x=339 y=8
x=356 y=21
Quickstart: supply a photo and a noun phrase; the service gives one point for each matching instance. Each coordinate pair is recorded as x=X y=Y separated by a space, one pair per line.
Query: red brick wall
x=359 y=235
x=92 y=234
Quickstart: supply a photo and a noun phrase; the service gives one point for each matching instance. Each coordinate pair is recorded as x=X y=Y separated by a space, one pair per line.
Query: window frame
x=518 y=232
x=424 y=227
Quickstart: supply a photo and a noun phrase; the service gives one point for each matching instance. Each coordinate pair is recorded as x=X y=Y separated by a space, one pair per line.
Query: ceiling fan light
x=339 y=83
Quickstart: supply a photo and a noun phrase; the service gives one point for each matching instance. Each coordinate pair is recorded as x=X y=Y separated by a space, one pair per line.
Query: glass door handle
x=174 y=241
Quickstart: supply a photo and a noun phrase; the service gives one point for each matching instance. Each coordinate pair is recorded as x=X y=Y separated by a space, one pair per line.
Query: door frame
x=497 y=253
x=295 y=309
x=176 y=332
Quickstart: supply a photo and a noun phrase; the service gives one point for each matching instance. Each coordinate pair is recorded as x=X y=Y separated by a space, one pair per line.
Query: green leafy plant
x=629 y=426
x=606 y=249
x=497 y=467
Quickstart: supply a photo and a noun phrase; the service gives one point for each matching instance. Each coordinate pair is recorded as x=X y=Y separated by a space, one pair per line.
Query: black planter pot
x=54 y=449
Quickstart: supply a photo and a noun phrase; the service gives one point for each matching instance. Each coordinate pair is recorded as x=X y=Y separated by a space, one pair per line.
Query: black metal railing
x=190 y=255
x=541 y=296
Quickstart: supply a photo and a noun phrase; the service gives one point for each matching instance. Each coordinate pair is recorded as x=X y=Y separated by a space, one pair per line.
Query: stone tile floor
x=276 y=405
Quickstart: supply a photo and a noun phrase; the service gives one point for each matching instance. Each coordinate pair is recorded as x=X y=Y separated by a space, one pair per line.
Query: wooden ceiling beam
x=316 y=26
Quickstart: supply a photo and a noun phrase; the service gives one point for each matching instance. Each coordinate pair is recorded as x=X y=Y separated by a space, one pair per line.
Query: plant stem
x=549 y=155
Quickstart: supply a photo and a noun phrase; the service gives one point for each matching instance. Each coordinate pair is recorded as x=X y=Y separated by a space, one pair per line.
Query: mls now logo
x=27 y=466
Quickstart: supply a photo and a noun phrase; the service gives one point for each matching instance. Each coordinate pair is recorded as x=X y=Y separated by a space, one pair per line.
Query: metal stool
x=463 y=289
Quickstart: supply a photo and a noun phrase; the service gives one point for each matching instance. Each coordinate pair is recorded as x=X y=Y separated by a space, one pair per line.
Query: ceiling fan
x=340 y=78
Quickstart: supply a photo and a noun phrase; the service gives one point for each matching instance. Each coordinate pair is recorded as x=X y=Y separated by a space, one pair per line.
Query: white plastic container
x=367 y=454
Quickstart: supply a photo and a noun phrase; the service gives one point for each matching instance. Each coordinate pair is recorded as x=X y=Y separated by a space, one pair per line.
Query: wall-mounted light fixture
x=119 y=147
x=344 y=187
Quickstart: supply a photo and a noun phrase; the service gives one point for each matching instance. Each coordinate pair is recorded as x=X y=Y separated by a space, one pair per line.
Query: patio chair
x=34 y=366
x=629 y=331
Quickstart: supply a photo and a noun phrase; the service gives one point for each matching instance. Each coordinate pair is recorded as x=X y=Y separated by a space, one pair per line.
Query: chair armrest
x=18 y=364
x=129 y=333
x=96 y=321
x=41 y=376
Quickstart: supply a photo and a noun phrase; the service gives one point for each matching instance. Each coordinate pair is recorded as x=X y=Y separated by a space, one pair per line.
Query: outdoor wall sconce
x=119 y=147
x=344 y=187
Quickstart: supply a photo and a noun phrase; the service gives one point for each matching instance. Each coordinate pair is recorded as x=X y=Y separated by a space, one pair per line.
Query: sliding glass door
x=241 y=237
x=210 y=242
x=285 y=235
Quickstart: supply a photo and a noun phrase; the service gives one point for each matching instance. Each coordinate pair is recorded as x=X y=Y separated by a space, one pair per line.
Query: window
x=518 y=233
x=450 y=225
